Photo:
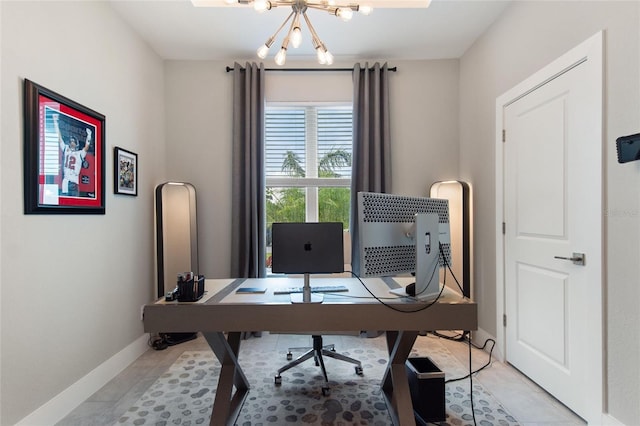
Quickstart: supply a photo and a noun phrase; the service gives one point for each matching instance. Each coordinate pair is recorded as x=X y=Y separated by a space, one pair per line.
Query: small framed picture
x=125 y=172
x=63 y=154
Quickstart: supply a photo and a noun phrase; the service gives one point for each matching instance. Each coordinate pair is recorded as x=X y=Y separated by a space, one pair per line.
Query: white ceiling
x=178 y=30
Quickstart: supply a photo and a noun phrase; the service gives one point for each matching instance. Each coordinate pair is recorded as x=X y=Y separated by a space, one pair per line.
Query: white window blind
x=300 y=141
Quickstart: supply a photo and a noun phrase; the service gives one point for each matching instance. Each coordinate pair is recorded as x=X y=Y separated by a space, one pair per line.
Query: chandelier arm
x=285 y=42
x=279 y=3
x=324 y=57
x=271 y=39
x=332 y=9
x=323 y=7
x=296 y=19
x=314 y=35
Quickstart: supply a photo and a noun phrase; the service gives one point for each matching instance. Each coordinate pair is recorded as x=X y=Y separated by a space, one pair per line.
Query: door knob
x=576 y=258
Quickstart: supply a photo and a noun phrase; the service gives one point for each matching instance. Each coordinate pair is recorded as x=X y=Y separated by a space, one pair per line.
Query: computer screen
x=401 y=234
x=307 y=248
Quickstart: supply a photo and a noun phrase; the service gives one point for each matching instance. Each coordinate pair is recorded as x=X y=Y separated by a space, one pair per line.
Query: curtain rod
x=393 y=69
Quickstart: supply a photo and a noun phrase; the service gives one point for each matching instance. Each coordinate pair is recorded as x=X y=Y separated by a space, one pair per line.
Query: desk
x=222 y=311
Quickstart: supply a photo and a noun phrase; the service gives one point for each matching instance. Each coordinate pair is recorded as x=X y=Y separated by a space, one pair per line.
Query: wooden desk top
x=222 y=310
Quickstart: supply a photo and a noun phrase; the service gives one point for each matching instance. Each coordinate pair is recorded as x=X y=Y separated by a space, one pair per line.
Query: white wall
x=72 y=285
x=424 y=133
x=198 y=130
x=528 y=36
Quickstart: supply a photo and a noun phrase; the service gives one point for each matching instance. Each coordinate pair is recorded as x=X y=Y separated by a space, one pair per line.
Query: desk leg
x=226 y=405
x=395 y=384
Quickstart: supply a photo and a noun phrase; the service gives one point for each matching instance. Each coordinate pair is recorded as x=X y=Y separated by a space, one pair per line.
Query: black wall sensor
x=628 y=148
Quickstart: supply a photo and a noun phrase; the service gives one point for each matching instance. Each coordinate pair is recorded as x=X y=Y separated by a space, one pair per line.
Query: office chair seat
x=317 y=352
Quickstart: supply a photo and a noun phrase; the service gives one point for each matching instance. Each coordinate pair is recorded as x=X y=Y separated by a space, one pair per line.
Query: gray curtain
x=248 y=196
x=371 y=168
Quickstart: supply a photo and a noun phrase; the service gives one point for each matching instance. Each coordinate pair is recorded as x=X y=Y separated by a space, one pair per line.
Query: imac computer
x=403 y=234
x=307 y=248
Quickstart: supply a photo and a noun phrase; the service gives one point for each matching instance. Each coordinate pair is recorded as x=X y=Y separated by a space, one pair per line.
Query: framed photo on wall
x=125 y=172
x=63 y=154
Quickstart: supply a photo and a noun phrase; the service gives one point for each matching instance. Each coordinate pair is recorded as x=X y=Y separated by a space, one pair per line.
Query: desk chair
x=318 y=350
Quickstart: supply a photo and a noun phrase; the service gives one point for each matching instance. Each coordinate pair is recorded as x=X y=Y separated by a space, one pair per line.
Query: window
x=308 y=151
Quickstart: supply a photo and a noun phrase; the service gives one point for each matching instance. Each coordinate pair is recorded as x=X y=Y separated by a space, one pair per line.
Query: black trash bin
x=426 y=384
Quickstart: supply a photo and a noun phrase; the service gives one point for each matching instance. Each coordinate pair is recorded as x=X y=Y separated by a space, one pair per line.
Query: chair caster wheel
x=359 y=371
x=326 y=392
x=289 y=356
x=278 y=380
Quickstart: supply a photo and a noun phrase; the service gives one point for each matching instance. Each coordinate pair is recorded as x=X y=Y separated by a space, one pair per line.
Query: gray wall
x=528 y=36
x=73 y=285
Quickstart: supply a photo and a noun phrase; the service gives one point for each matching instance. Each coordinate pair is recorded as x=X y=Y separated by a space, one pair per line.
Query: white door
x=552 y=153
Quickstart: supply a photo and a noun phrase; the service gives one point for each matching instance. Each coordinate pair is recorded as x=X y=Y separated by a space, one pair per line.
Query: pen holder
x=191 y=290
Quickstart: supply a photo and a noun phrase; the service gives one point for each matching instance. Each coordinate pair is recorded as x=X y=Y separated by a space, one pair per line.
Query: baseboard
x=480 y=336
x=609 y=420
x=66 y=401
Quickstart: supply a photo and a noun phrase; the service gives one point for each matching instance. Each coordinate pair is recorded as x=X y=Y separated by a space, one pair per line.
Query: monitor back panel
x=314 y=248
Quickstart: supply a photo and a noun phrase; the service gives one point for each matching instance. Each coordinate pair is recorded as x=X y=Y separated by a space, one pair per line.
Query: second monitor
x=403 y=234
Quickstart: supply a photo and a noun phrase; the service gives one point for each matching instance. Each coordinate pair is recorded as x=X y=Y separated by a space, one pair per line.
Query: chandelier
x=299 y=9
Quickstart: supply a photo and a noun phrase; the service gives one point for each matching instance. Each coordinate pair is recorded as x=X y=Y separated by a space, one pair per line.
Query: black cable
x=460 y=337
x=470 y=375
x=395 y=308
x=473 y=411
x=447 y=266
x=428 y=305
x=493 y=345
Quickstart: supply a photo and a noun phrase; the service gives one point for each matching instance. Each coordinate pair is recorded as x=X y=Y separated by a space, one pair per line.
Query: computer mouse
x=411 y=289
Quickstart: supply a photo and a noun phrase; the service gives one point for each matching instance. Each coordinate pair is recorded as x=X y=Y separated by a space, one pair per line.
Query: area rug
x=184 y=394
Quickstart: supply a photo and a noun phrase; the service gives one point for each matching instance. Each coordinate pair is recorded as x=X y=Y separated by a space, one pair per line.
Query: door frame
x=591 y=52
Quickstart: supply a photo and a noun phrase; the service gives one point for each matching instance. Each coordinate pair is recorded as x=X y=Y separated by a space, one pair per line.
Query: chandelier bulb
x=322 y=59
x=230 y=1
x=296 y=37
x=365 y=10
x=281 y=57
x=328 y=57
x=261 y=6
x=344 y=13
x=263 y=51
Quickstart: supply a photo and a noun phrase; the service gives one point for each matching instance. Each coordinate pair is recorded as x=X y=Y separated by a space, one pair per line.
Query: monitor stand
x=427 y=242
x=306 y=296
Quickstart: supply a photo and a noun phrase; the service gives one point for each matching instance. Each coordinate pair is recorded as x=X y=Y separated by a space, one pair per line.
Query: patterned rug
x=184 y=394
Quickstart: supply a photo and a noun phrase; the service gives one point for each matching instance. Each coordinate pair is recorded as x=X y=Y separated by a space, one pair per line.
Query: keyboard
x=314 y=289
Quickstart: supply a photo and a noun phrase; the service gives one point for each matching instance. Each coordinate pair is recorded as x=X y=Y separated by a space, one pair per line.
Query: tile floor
x=527 y=402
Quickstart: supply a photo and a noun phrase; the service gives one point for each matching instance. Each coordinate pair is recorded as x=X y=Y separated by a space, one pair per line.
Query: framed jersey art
x=63 y=154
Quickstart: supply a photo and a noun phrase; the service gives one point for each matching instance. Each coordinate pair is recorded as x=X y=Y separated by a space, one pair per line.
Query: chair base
x=317 y=352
